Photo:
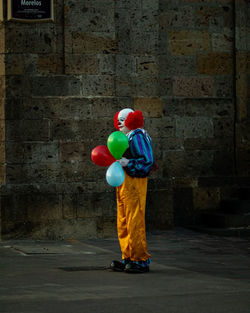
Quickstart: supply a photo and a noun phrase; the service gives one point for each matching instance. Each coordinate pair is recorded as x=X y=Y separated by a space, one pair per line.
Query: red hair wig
x=116 y=121
x=134 y=120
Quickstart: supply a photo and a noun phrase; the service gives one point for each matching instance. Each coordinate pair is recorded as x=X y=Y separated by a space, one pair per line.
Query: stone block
x=2 y=130
x=42 y=207
x=56 y=86
x=184 y=182
x=2 y=174
x=206 y=198
x=2 y=152
x=194 y=127
x=108 y=226
x=73 y=172
x=2 y=108
x=145 y=86
x=76 y=172
x=223 y=127
x=106 y=107
x=87 y=205
x=20 y=64
x=17 y=86
x=105 y=202
x=124 y=86
x=144 y=42
x=183 y=205
x=71 y=108
x=198 y=107
x=101 y=130
x=65 y=229
x=243 y=135
x=193 y=86
x=98 y=85
x=2 y=39
x=144 y=19
x=150 y=5
x=124 y=44
x=165 y=85
x=54 y=173
x=122 y=19
x=205 y=12
x=74 y=130
x=222 y=42
x=147 y=65
x=40 y=152
x=160 y=128
x=218 y=144
x=74 y=151
x=107 y=64
x=171 y=143
x=177 y=65
x=81 y=64
x=182 y=18
x=69 y=203
x=68 y=41
x=26 y=173
x=98 y=3
x=14 y=152
x=125 y=64
x=242 y=34
x=151 y=107
x=243 y=162
x=50 y=64
x=129 y=4
x=2 y=64
x=224 y=86
x=216 y=24
x=93 y=43
x=189 y=163
x=13 y=208
x=58 y=12
x=95 y=19
x=27 y=130
x=26 y=39
x=188 y=42
x=2 y=86
x=215 y=64
x=242 y=82
x=33 y=108
x=223 y=163
x=161 y=203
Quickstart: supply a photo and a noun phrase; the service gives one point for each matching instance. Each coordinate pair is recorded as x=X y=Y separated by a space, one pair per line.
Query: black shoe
x=136 y=268
x=118 y=266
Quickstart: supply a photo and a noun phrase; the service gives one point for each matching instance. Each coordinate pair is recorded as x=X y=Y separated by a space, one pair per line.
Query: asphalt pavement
x=190 y=273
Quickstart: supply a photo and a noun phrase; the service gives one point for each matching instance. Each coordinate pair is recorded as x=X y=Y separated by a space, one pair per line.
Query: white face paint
x=121 y=120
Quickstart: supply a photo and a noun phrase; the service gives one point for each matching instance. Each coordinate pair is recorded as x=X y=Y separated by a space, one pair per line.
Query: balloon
x=117 y=144
x=115 y=174
x=101 y=156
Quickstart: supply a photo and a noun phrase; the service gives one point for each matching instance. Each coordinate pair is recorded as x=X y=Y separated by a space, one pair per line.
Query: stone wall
x=64 y=80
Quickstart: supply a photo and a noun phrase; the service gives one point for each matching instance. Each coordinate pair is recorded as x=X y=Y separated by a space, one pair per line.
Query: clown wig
x=133 y=120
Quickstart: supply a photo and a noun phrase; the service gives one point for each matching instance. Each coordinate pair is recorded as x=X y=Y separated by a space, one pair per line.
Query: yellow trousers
x=131 y=203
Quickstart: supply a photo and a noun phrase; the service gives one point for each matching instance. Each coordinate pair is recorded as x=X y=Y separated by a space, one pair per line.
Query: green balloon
x=117 y=144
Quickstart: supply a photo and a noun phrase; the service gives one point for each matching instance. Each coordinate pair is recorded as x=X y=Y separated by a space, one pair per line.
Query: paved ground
x=190 y=273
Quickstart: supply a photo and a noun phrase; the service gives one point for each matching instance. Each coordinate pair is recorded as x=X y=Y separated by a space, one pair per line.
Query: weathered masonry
x=184 y=63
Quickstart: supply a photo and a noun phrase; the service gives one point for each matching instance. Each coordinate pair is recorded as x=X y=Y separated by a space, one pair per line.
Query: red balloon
x=101 y=156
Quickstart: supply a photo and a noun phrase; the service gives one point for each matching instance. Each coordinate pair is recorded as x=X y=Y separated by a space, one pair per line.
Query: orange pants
x=131 y=203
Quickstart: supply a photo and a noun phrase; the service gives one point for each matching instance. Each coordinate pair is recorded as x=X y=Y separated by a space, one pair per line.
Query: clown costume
x=137 y=162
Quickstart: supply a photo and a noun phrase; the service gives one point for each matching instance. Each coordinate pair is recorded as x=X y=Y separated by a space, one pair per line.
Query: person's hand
x=123 y=162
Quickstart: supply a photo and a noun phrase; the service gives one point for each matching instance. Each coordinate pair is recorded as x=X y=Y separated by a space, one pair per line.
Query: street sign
x=31 y=10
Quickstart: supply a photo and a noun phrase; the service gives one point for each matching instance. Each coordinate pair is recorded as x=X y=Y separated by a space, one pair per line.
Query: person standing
x=137 y=163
